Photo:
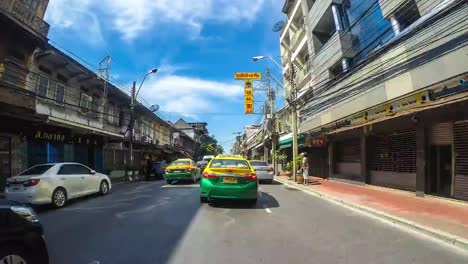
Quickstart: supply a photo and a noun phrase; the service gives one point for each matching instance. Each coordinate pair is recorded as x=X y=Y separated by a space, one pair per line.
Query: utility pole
x=294 y=119
x=271 y=96
x=130 y=127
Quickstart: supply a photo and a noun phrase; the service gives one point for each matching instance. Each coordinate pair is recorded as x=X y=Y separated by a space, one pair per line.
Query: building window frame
x=85 y=102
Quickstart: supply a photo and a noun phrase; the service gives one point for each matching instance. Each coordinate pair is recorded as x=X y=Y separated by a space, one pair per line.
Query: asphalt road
x=150 y=222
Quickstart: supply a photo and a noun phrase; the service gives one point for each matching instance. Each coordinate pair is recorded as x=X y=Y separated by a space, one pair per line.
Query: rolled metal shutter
x=348 y=158
x=392 y=159
x=441 y=134
x=461 y=160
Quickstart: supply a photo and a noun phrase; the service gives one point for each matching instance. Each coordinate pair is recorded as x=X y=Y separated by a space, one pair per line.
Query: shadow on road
x=138 y=219
x=265 y=201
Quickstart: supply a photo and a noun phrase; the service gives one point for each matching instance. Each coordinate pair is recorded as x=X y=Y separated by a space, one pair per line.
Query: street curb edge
x=447 y=238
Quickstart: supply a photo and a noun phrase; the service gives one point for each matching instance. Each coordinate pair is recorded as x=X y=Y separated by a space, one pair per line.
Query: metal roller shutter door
x=461 y=160
x=348 y=160
x=392 y=159
x=441 y=134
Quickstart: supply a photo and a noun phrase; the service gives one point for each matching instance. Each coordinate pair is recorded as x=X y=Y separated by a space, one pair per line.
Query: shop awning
x=286 y=142
x=284 y=146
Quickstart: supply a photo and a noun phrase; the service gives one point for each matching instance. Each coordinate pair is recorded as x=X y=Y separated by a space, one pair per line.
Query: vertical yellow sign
x=248 y=97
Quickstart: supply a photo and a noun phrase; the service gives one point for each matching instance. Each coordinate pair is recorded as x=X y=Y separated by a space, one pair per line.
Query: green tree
x=219 y=149
x=209 y=146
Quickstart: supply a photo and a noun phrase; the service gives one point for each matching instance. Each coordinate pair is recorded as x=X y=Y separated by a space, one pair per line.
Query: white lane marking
x=268 y=210
x=180 y=186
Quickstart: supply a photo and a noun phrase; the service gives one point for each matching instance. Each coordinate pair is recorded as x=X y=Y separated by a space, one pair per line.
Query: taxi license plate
x=230 y=180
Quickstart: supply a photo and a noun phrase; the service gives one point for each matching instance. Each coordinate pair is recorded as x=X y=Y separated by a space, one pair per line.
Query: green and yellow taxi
x=229 y=177
x=182 y=169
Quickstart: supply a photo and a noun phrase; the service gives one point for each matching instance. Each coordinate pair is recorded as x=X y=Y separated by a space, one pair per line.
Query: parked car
x=157 y=169
x=55 y=184
x=182 y=169
x=229 y=177
x=263 y=170
x=21 y=235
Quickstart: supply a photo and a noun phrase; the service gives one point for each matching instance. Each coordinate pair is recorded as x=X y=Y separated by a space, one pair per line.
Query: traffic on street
x=153 y=222
x=234 y=132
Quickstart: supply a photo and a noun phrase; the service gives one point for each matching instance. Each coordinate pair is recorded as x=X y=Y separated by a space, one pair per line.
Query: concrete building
x=382 y=90
x=53 y=109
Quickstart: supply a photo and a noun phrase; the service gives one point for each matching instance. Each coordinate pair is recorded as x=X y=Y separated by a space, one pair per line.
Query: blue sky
x=196 y=45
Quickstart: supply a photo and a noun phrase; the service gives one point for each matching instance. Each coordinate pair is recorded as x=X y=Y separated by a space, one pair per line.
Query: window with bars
x=113 y=114
x=393 y=152
x=59 y=93
x=42 y=86
x=85 y=102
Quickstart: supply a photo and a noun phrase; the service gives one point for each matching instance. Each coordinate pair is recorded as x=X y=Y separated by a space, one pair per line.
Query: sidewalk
x=443 y=219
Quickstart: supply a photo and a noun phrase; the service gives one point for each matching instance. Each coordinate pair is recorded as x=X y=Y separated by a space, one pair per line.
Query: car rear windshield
x=180 y=163
x=227 y=163
x=256 y=163
x=36 y=170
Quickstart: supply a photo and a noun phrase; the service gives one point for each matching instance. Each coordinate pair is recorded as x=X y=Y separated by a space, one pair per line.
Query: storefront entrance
x=440 y=174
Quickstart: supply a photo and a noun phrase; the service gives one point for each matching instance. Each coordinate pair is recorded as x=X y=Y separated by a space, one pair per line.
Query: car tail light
x=251 y=177
x=209 y=176
x=31 y=182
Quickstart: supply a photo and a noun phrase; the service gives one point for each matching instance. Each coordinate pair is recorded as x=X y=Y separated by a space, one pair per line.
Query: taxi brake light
x=251 y=177
x=209 y=176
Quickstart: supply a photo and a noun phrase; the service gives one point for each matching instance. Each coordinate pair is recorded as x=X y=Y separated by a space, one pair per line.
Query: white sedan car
x=55 y=183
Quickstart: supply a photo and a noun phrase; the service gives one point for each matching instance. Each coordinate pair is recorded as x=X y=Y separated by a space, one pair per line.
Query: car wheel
x=59 y=197
x=203 y=200
x=104 y=188
x=168 y=181
x=11 y=254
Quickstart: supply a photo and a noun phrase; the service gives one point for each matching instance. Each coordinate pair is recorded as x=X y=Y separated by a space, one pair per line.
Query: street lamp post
x=131 y=125
x=293 y=103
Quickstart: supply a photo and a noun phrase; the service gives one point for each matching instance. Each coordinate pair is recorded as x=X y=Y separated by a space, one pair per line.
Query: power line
x=368 y=28
x=411 y=51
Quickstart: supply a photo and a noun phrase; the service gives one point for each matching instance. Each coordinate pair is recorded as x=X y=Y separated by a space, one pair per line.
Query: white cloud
x=76 y=17
x=133 y=18
x=190 y=95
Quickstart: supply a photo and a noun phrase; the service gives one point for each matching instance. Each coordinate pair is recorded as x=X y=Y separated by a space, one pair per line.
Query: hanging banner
x=248 y=101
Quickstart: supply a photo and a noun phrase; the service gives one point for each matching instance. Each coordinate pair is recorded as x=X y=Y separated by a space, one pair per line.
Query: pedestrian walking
x=305 y=168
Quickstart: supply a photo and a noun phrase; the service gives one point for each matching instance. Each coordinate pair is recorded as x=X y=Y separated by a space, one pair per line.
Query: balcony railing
x=297 y=37
x=25 y=14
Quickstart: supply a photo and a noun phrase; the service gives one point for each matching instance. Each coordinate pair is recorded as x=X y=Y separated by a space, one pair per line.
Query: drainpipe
x=337 y=18
x=345 y=64
x=395 y=25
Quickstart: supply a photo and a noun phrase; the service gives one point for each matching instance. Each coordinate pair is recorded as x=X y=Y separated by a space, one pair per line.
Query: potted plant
x=298 y=163
x=288 y=169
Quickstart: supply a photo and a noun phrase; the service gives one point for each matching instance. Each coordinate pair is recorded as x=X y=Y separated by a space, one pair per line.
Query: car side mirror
x=92 y=172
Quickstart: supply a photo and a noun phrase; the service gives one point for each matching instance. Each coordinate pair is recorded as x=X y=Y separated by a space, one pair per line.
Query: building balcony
x=319 y=11
x=24 y=14
x=297 y=37
x=339 y=46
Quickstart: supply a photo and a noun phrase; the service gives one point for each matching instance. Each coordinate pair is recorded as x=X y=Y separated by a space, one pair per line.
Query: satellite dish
x=278 y=26
x=154 y=108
